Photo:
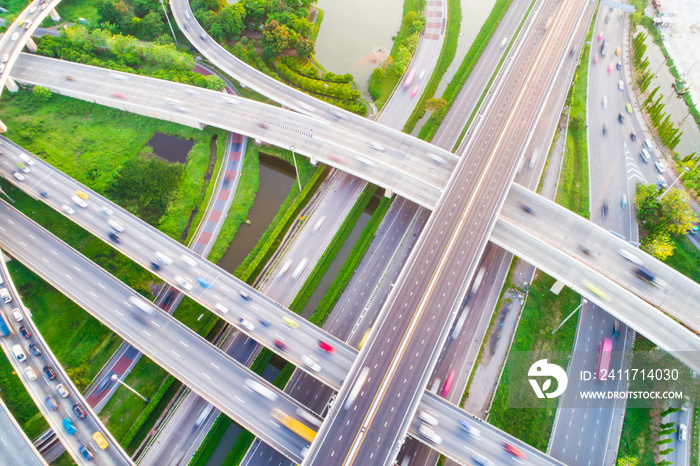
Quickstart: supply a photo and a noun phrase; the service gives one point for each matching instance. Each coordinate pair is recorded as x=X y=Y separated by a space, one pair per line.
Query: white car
x=5 y=296
x=630 y=257
x=660 y=166
x=183 y=283
x=620 y=85
x=68 y=209
x=246 y=324
x=5 y=58
x=79 y=202
x=310 y=363
x=62 y=390
x=17 y=314
x=605 y=101
x=18 y=176
x=31 y=375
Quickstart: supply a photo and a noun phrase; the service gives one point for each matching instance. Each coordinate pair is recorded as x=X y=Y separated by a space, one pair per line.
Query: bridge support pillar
x=3 y=128
x=388 y=192
x=314 y=161
x=54 y=15
x=31 y=45
x=11 y=85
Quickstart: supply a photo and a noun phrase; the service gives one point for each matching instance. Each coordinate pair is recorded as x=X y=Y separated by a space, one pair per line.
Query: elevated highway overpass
x=395 y=161
x=395 y=364
x=205 y=369
x=537 y=229
x=19 y=34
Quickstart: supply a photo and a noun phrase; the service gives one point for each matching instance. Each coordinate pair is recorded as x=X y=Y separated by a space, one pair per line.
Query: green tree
x=41 y=93
x=627 y=461
x=659 y=246
x=303 y=27
x=676 y=215
x=212 y=5
x=231 y=20
x=275 y=39
x=142 y=7
x=435 y=104
x=305 y=48
x=152 y=26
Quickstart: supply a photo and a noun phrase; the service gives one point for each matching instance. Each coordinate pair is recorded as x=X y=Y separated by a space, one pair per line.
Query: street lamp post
x=165 y=12
x=116 y=377
x=295 y=166
x=685 y=169
x=3 y=192
x=583 y=301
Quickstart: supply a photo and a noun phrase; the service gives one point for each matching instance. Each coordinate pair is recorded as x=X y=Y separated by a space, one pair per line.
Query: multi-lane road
x=16 y=447
x=57 y=399
x=398 y=359
x=405 y=165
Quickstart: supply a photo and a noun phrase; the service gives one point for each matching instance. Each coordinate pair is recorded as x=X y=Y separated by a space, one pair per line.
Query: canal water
x=276 y=179
x=340 y=259
x=673 y=105
x=355 y=37
x=171 y=148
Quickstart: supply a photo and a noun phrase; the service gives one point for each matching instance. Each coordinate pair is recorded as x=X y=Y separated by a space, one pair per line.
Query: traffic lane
x=350 y=317
x=18 y=449
x=464 y=105
x=596 y=425
x=42 y=387
x=463 y=242
x=629 y=308
x=311 y=242
x=162 y=331
x=141 y=240
x=459 y=445
x=500 y=172
x=309 y=136
x=284 y=94
x=678 y=297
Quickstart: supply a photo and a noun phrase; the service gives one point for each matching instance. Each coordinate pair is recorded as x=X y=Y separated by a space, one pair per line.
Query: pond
x=171 y=148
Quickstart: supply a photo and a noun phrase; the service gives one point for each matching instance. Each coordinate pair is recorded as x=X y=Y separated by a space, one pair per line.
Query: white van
x=19 y=353
x=261 y=389
x=163 y=259
x=115 y=226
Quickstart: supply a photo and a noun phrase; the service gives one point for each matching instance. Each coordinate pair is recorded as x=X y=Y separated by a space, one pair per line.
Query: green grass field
x=90 y=143
x=542 y=313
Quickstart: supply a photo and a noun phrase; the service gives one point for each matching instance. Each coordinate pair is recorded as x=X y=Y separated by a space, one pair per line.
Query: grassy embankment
x=246 y=438
x=543 y=310
x=90 y=143
x=447 y=54
x=381 y=87
x=471 y=58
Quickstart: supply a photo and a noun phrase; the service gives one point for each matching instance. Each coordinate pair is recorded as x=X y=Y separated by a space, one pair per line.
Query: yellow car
x=291 y=322
x=100 y=440
x=595 y=290
x=617 y=51
x=81 y=195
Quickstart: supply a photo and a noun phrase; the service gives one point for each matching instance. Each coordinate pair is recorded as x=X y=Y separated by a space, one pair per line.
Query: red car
x=513 y=450
x=326 y=347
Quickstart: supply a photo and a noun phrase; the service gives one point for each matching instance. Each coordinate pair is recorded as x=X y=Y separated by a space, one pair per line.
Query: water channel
x=673 y=105
x=276 y=179
x=332 y=272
